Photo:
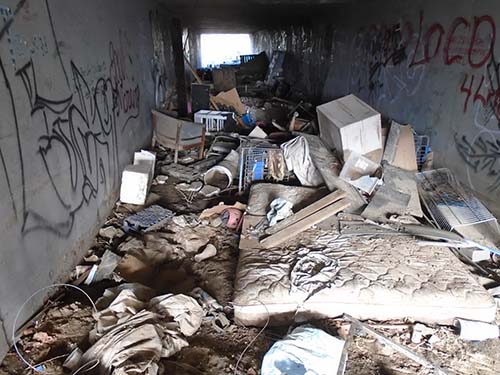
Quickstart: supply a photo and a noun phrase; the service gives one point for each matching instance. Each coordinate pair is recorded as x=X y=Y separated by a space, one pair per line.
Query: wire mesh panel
x=422 y=148
x=259 y=164
x=449 y=204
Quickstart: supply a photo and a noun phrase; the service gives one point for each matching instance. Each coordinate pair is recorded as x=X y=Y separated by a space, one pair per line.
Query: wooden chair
x=177 y=134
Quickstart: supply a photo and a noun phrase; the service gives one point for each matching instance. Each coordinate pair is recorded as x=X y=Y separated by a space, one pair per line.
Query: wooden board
x=307 y=211
x=304 y=224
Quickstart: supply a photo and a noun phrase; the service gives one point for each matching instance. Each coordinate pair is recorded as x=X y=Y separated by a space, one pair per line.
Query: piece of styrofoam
x=135 y=184
x=349 y=124
x=146 y=157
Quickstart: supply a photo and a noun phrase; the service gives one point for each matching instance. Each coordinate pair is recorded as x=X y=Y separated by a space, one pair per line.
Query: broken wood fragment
x=304 y=224
x=307 y=211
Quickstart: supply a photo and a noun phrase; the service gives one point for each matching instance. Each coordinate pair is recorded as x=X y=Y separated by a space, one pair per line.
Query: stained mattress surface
x=325 y=274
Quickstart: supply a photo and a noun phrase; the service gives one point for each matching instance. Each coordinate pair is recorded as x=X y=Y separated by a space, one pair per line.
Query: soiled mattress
x=325 y=274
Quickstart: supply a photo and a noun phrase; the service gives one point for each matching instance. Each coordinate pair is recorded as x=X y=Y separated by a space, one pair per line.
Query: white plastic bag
x=305 y=351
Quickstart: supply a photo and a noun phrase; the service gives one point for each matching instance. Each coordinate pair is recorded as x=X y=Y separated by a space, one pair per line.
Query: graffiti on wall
x=382 y=70
x=390 y=62
x=482 y=155
x=67 y=133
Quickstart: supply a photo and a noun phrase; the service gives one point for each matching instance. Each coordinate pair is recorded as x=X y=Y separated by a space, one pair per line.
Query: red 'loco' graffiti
x=465 y=42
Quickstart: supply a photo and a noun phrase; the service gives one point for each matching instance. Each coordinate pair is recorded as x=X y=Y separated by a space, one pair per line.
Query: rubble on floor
x=252 y=238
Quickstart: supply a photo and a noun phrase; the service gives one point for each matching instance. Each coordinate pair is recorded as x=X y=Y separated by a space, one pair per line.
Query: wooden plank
x=198 y=79
x=304 y=224
x=308 y=211
x=178 y=54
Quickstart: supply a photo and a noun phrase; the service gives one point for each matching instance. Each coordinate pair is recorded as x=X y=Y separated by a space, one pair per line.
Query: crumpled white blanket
x=133 y=331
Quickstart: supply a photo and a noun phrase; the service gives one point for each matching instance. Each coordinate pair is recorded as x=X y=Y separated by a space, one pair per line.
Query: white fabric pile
x=134 y=331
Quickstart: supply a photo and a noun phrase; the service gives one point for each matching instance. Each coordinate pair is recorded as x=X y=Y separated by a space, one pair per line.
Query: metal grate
x=256 y=165
x=449 y=204
x=214 y=121
x=246 y=58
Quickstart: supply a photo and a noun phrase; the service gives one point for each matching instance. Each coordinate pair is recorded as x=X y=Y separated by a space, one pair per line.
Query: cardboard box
x=349 y=124
x=400 y=147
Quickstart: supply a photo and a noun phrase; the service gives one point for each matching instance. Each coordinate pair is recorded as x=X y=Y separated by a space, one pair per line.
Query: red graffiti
x=453 y=50
x=476 y=89
x=465 y=42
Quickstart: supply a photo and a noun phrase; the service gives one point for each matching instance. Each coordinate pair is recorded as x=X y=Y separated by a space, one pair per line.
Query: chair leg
x=202 y=147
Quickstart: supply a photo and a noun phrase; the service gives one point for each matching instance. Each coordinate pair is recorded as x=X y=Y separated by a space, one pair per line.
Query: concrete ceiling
x=247 y=15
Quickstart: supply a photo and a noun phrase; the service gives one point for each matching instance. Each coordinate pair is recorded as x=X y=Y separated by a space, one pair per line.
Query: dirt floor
x=236 y=350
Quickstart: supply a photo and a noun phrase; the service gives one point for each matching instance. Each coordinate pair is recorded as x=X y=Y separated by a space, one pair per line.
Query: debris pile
x=324 y=216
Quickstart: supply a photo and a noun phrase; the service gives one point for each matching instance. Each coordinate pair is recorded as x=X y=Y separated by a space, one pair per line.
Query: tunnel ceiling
x=247 y=15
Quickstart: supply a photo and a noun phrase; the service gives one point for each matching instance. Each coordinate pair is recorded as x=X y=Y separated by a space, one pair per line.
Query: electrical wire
x=22 y=308
x=87 y=367
x=254 y=339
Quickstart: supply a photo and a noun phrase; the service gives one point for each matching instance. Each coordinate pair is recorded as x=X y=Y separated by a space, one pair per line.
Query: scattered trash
x=232 y=218
x=209 y=252
x=110 y=233
x=298 y=160
x=257 y=132
x=306 y=220
x=476 y=331
x=182 y=172
x=105 y=269
x=306 y=350
x=398 y=347
x=160 y=180
x=73 y=359
x=421 y=332
x=279 y=209
x=223 y=174
x=221 y=207
x=231 y=100
x=133 y=333
x=209 y=191
x=186 y=221
x=358 y=171
x=258 y=163
x=148 y=219
x=209 y=304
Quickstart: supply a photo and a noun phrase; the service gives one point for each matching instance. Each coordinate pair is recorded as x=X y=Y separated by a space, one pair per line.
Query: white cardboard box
x=349 y=124
x=135 y=184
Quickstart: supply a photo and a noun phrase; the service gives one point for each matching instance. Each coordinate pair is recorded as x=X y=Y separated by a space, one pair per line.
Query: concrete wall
x=433 y=64
x=75 y=98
